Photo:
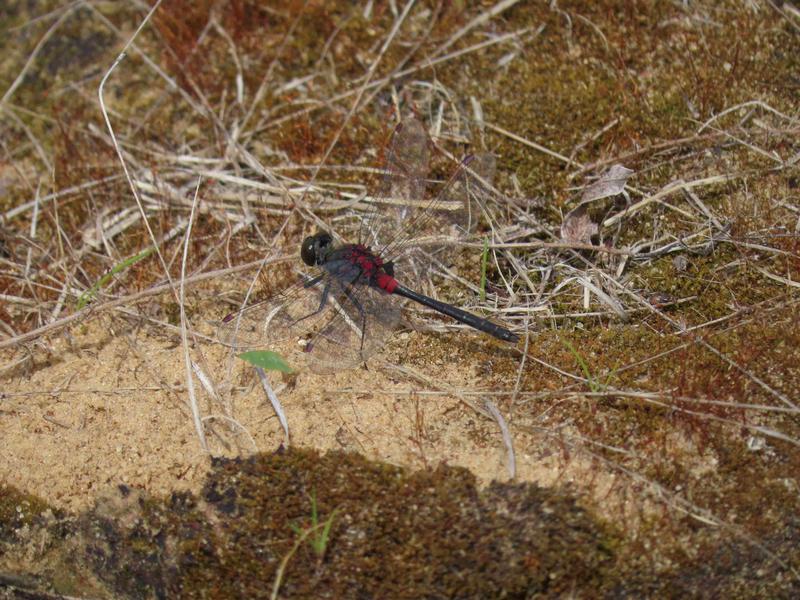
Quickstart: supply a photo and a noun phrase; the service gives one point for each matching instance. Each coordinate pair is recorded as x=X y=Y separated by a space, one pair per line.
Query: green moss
x=18 y=510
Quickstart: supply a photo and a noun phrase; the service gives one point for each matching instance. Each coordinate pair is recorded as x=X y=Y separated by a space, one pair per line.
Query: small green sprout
x=320 y=531
x=318 y=536
x=484 y=263
x=89 y=294
x=594 y=385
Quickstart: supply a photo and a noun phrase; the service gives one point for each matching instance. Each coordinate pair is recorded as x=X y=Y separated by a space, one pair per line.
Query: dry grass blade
x=276 y=405
x=198 y=422
x=666 y=191
x=507 y=439
x=123 y=301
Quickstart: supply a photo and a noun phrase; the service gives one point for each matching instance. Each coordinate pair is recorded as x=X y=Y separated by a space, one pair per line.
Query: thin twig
x=198 y=422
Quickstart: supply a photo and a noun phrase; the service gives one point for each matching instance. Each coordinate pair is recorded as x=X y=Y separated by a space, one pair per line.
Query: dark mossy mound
x=19 y=511
x=393 y=535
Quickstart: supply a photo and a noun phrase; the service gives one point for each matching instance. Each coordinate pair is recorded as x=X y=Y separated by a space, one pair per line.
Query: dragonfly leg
x=322 y=301
x=313 y=281
x=362 y=314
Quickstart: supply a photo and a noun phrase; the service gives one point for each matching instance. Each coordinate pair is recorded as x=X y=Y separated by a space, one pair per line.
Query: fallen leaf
x=611 y=183
x=578 y=227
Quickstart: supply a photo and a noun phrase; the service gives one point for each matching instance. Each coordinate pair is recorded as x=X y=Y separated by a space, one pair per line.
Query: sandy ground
x=106 y=404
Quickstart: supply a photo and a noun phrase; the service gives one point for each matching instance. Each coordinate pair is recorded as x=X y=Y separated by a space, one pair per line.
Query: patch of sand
x=107 y=405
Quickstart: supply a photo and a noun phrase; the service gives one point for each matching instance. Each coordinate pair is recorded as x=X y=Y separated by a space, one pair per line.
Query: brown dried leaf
x=610 y=184
x=578 y=227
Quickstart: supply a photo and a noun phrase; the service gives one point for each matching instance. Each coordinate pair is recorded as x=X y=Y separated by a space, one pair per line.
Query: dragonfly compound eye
x=315 y=248
x=308 y=252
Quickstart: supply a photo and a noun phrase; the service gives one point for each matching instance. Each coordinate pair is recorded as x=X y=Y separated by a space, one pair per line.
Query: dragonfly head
x=315 y=248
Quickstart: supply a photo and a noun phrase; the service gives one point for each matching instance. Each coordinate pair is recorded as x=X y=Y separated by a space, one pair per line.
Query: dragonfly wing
x=408 y=164
x=453 y=212
x=404 y=183
x=360 y=319
x=469 y=188
x=333 y=320
x=279 y=320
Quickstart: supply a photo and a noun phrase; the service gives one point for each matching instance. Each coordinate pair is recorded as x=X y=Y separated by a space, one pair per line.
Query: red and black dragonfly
x=345 y=311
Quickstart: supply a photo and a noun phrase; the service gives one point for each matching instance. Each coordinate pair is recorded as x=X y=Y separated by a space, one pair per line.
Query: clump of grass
x=592 y=380
x=318 y=534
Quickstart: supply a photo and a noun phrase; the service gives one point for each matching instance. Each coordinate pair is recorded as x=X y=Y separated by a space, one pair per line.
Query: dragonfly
x=344 y=310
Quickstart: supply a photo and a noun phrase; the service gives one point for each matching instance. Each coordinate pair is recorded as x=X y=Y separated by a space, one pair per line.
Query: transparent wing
x=403 y=185
x=469 y=189
x=404 y=213
x=362 y=318
x=274 y=320
x=453 y=212
x=333 y=320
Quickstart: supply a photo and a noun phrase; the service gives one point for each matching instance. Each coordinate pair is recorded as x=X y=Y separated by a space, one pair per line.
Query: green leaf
x=270 y=361
x=579 y=359
x=89 y=294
